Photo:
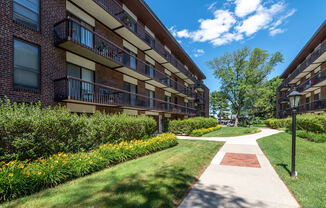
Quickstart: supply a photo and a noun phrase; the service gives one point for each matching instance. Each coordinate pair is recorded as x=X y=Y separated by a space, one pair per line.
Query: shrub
x=314 y=137
x=201 y=132
x=24 y=178
x=29 y=131
x=311 y=123
x=186 y=126
x=278 y=123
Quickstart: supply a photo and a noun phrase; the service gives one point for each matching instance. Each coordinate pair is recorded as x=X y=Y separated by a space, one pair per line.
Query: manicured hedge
x=186 y=126
x=314 y=137
x=30 y=131
x=201 y=132
x=311 y=123
x=24 y=178
x=278 y=123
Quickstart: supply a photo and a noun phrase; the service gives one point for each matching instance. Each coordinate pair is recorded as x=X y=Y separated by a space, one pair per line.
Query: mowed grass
x=231 y=131
x=157 y=180
x=309 y=188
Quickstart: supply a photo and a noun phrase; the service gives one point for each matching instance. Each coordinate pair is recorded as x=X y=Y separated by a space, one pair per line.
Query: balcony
x=308 y=65
x=72 y=36
x=312 y=106
x=284 y=85
x=199 y=99
x=199 y=86
x=71 y=89
x=111 y=13
x=313 y=83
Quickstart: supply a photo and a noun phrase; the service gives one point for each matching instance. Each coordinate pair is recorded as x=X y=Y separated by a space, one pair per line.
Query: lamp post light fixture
x=294 y=98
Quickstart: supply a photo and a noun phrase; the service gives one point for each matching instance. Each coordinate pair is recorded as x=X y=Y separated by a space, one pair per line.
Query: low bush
x=311 y=123
x=201 y=132
x=24 y=178
x=314 y=137
x=30 y=131
x=186 y=126
x=278 y=123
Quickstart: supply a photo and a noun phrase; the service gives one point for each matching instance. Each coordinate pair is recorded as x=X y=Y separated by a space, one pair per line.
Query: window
x=307 y=100
x=26 y=65
x=176 y=100
x=176 y=83
x=151 y=95
x=150 y=70
x=130 y=99
x=129 y=59
x=317 y=96
x=80 y=89
x=81 y=31
x=168 y=100
x=150 y=40
x=27 y=12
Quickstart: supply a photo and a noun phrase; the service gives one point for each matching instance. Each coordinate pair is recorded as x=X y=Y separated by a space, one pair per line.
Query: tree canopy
x=218 y=104
x=241 y=73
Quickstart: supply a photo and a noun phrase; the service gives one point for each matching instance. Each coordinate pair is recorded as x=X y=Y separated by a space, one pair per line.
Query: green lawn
x=157 y=180
x=309 y=187
x=231 y=131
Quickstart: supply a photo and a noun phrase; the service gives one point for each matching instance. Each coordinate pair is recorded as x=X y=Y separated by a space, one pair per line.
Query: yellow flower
x=52 y=167
x=90 y=162
x=39 y=173
x=11 y=174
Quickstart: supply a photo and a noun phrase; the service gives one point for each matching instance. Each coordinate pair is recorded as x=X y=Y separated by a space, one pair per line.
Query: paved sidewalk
x=239 y=176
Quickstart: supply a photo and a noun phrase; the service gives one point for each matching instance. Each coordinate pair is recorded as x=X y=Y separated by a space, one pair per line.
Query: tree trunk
x=236 y=121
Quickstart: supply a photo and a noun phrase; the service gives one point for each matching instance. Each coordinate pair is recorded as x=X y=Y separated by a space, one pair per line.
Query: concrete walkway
x=239 y=176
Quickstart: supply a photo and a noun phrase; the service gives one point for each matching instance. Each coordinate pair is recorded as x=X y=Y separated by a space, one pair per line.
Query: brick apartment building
x=307 y=72
x=88 y=55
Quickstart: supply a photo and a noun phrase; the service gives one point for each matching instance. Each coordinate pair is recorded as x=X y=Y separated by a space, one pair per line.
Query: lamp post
x=294 y=98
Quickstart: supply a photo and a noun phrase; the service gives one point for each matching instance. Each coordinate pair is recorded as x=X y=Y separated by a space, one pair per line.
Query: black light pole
x=294 y=98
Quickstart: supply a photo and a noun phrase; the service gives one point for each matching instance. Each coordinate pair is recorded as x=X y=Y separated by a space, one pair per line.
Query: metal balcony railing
x=74 y=89
x=70 y=30
x=321 y=76
x=314 y=55
x=115 y=10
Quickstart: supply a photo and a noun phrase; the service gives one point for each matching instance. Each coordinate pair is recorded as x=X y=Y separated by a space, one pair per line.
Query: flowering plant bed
x=201 y=132
x=27 y=177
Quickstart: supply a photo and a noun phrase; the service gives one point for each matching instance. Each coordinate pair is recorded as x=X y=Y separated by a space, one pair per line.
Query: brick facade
x=53 y=59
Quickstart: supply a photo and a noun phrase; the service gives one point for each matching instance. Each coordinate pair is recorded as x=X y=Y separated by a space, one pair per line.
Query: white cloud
x=260 y=20
x=276 y=31
x=212 y=6
x=245 y=7
x=244 y=19
x=199 y=52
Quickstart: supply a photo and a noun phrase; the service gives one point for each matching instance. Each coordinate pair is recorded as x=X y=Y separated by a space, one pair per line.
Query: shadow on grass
x=160 y=189
x=285 y=167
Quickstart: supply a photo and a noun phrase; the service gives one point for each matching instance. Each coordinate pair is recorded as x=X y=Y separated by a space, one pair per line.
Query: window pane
x=26 y=78
x=31 y=4
x=87 y=75
x=26 y=56
x=73 y=71
x=27 y=12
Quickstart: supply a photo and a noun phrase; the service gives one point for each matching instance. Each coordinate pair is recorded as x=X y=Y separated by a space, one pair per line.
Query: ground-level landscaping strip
x=24 y=178
x=232 y=131
x=201 y=132
x=157 y=180
x=309 y=188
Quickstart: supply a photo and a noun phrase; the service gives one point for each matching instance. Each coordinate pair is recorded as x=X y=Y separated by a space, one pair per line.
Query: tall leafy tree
x=265 y=102
x=218 y=104
x=241 y=72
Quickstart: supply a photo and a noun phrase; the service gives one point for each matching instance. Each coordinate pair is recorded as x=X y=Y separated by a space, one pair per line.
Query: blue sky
x=208 y=28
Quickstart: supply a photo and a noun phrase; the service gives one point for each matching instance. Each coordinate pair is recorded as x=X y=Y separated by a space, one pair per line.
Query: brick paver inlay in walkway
x=242 y=160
